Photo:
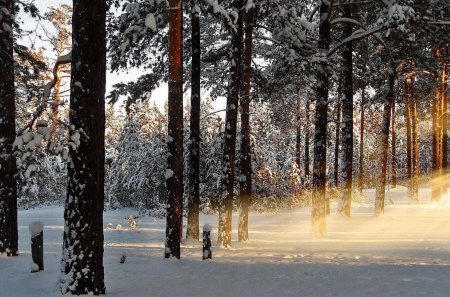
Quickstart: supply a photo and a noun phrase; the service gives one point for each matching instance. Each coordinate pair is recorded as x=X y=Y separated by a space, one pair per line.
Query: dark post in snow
x=207 y=254
x=37 y=246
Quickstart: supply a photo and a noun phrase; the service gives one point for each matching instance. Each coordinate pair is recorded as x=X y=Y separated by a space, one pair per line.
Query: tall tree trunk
x=192 y=230
x=435 y=183
x=8 y=167
x=82 y=262
x=394 y=149
x=361 y=142
x=408 y=138
x=318 y=222
x=55 y=107
x=298 y=141
x=226 y=203
x=337 y=142
x=307 y=137
x=246 y=157
x=384 y=142
x=347 y=120
x=445 y=182
x=415 y=145
x=174 y=174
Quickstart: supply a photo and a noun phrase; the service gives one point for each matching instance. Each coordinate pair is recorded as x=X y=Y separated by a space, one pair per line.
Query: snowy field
x=404 y=253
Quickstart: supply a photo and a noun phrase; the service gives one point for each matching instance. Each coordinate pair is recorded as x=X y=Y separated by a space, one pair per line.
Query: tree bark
x=384 y=143
x=307 y=137
x=361 y=142
x=337 y=142
x=55 y=107
x=82 y=263
x=394 y=149
x=415 y=146
x=246 y=158
x=408 y=138
x=8 y=167
x=347 y=119
x=226 y=203
x=298 y=140
x=174 y=174
x=445 y=182
x=435 y=183
x=318 y=213
x=193 y=230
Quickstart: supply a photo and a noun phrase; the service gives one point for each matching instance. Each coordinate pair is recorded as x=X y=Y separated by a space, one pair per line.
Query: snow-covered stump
x=37 y=246
x=207 y=254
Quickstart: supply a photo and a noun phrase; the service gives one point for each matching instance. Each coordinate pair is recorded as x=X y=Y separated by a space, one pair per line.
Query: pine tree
x=245 y=195
x=82 y=261
x=226 y=204
x=174 y=174
x=318 y=223
x=347 y=117
x=194 y=143
x=8 y=167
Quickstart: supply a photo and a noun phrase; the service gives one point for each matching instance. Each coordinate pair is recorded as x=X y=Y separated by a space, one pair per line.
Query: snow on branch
x=356 y=23
x=358 y=35
x=220 y=11
x=47 y=88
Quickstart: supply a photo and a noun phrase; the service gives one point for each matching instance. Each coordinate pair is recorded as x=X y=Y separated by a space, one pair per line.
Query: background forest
x=324 y=101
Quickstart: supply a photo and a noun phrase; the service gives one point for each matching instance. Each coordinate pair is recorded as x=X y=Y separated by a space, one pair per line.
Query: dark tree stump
x=207 y=254
x=37 y=246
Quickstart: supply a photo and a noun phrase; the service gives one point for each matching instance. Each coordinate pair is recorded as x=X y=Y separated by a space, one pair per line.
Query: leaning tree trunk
x=174 y=173
x=246 y=158
x=415 y=146
x=82 y=262
x=408 y=138
x=394 y=149
x=347 y=120
x=229 y=157
x=8 y=167
x=192 y=230
x=361 y=142
x=384 y=143
x=435 y=184
x=318 y=212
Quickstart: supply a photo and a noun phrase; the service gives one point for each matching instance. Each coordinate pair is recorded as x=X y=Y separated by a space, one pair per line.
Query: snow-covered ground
x=404 y=253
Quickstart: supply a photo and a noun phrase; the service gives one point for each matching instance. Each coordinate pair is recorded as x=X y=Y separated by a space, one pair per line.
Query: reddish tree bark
x=445 y=182
x=435 y=183
x=384 y=142
x=174 y=173
x=415 y=146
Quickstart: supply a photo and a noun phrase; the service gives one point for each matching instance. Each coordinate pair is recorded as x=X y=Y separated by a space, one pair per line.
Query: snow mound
x=207 y=228
x=36 y=228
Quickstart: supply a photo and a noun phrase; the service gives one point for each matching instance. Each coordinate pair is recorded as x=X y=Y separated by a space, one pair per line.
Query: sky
x=159 y=96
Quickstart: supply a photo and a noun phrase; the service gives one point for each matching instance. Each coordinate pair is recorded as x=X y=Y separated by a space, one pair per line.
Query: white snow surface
x=404 y=253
